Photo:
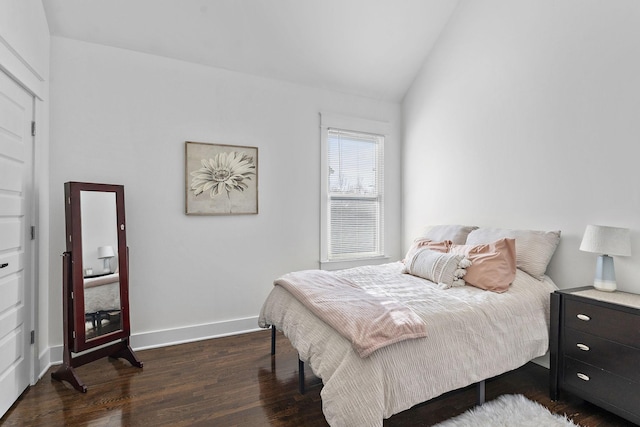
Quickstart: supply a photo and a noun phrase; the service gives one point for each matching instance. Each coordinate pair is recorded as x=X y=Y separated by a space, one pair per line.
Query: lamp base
x=107 y=265
x=605 y=285
x=605 y=279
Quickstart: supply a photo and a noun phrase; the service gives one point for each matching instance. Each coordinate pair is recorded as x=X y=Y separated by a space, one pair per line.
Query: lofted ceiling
x=371 y=48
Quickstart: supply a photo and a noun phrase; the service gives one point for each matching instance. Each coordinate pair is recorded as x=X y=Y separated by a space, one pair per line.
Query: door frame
x=23 y=374
x=31 y=246
x=28 y=65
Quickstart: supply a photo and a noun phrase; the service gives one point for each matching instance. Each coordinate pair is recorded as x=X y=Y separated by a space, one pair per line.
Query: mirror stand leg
x=127 y=353
x=68 y=374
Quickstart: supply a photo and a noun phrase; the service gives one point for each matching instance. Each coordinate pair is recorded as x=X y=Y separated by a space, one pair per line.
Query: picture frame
x=220 y=179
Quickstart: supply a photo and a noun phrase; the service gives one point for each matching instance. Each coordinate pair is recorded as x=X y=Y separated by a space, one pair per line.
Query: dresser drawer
x=615 y=325
x=613 y=357
x=595 y=384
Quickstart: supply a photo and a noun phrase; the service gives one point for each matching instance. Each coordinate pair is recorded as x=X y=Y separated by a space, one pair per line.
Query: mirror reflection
x=102 y=305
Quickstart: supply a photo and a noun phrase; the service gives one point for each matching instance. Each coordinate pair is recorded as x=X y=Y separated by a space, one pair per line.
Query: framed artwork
x=220 y=179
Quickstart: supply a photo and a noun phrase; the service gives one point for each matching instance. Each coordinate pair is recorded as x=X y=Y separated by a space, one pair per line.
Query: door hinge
x=33 y=128
x=33 y=337
x=33 y=232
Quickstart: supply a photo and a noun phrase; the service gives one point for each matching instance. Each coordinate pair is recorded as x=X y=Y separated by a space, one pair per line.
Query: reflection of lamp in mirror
x=606 y=241
x=106 y=253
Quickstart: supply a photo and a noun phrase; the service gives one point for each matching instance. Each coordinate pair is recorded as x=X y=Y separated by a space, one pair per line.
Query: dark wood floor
x=234 y=381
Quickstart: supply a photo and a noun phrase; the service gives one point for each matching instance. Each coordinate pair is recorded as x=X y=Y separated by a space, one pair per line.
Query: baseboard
x=167 y=337
x=44 y=361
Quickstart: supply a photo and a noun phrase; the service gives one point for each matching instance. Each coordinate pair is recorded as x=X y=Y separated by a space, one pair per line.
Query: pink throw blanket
x=368 y=321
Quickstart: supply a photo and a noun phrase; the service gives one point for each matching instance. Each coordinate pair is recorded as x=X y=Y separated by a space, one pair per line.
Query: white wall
x=24 y=43
x=122 y=117
x=24 y=55
x=526 y=116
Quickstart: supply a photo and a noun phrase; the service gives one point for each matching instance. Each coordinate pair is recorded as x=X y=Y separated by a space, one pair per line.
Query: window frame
x=329 y=121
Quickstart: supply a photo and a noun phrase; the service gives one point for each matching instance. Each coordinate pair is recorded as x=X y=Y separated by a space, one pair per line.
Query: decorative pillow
x=493 y=266
x=443 y=246
x=456 y=233
x=446 y=270
x=534 y=249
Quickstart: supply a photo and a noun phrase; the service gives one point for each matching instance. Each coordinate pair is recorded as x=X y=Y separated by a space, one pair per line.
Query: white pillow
x=445 y=269
x=534 y=249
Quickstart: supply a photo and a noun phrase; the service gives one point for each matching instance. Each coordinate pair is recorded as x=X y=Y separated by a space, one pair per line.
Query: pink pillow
x=443 y=246
x=456 y=233
x=493 y=265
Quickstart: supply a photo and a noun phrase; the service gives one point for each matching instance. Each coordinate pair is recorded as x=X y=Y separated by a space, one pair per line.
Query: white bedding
x=472 y=335
x=102 y=293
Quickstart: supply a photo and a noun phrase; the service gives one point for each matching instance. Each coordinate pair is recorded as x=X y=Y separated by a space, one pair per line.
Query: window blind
x=355 y=193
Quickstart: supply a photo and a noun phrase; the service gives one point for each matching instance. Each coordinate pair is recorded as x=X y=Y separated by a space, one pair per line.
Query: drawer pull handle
x=583 y=376
x=583 y=317
x=582 y=347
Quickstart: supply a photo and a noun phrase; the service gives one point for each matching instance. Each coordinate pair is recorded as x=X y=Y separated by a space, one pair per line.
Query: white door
x=16 y=177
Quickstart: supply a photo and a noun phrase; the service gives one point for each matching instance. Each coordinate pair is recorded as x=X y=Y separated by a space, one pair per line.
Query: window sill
x=350 y=263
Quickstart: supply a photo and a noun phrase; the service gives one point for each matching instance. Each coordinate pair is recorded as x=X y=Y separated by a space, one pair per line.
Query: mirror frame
x=74 y=247
x=113 y=344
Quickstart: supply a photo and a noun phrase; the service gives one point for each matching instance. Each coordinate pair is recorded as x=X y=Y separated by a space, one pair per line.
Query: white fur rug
x=509 y=410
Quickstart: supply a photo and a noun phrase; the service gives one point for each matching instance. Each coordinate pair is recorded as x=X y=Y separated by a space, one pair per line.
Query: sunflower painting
x=221 y=179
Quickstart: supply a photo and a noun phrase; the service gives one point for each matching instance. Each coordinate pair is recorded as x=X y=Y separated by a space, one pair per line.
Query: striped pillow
x=445 y=269
x=534 y=249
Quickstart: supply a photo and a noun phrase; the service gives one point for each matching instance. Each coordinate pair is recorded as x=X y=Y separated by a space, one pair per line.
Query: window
x=353 y=190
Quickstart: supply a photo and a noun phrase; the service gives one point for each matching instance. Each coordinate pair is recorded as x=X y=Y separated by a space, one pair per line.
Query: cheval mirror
x=95 y=278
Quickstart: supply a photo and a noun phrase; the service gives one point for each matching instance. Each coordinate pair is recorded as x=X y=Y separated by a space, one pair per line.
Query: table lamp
x=606 y=241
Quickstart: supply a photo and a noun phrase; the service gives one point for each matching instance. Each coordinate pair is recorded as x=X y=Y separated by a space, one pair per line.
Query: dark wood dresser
x=595 y=348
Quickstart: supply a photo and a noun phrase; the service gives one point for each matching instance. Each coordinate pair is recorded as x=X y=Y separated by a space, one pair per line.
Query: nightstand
x=595 y=348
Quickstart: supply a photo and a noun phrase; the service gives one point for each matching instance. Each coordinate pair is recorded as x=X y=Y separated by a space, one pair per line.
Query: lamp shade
x=106 y=252
x=605 y=240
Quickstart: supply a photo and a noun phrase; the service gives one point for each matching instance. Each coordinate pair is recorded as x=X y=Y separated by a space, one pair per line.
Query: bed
x=102 y=293
x=472 y=333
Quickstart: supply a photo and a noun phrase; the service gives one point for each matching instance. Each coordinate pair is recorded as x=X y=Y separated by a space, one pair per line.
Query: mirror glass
x=102 y=305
